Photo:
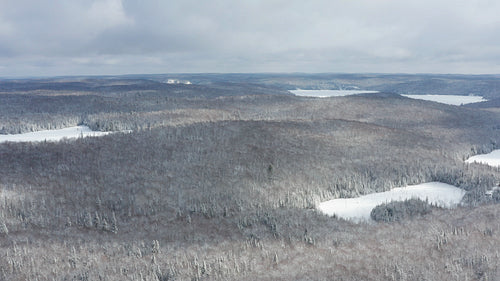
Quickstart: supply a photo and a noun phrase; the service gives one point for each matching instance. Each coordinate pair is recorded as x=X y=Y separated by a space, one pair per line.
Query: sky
x=98 y=37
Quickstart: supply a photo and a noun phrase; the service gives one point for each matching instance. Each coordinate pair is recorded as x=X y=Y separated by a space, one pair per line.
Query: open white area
x=329 y=93
x=491 y=159
x=52 y=135
x=358 y=209
x=176 y=81
x=448 y=99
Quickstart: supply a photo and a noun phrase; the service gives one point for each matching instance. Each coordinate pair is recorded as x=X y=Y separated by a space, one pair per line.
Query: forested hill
x=220 y=181
x=487 y=86
x=117 y=84
x=57 y=103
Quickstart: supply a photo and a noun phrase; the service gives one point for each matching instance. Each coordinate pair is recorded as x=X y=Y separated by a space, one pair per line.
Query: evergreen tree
x=3 y=228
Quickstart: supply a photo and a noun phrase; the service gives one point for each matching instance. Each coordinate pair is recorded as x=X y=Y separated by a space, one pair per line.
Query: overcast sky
x=80 y=37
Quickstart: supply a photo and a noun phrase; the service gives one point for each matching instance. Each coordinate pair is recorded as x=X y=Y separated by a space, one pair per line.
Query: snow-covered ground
x=176 y=81
x=52 y=135
x=329 y=93
x=358 y=209
x=448 y=99
x=491 y=159
x=490 y=192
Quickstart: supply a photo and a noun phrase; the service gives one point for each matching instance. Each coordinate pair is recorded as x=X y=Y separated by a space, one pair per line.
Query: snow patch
x=53 y=135
x=358 y=209
x=448 y=99
x=490 y=192
x=176 y=81
x=329 y=93
x=491 y=159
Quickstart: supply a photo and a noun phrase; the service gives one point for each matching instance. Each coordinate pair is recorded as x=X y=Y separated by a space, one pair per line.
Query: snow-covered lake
x=491 y=159
x=329 y=93
x=448 y=99
x=52 y=135
x=358 y=209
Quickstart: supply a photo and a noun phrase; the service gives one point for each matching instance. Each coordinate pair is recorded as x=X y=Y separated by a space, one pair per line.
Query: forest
x=220 y=179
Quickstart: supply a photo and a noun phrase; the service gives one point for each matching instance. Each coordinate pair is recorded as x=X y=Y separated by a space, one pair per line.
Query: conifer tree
x=3 y=228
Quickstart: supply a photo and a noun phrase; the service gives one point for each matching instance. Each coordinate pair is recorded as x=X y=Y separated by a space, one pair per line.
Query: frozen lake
x=358 y=209
x=491 y=159
x=448 y=99
x=329 y=93
x=52 y=135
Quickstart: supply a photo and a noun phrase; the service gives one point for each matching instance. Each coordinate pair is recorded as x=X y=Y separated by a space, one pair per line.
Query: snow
x=490 y=192
x=491 y=159
x=329 y=93
x=52 y=135
x=359 y=209
x=448 y=99
x=176 y=81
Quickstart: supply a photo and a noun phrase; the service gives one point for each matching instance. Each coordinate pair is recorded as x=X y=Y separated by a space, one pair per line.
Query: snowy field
x=358 y=209
x=448 y=99
x=491 y=159
x=52 y=135
x=329 y=93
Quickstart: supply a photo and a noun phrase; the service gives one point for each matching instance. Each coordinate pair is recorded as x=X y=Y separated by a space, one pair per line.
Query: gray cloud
x=133 y=36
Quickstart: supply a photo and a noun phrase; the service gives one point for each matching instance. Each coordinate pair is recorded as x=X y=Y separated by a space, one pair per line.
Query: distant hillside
x=487 y=86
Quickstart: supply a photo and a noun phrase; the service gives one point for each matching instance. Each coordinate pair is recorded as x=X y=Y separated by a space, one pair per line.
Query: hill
x=221 y=180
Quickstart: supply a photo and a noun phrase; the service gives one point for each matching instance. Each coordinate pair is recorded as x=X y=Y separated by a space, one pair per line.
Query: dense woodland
x=219 y=181
x=487 y=86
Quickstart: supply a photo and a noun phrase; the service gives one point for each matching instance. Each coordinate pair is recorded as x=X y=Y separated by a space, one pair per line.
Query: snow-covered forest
x=222 y=180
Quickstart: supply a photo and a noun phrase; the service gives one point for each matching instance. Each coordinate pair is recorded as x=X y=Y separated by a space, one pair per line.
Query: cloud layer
x=154 y=36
